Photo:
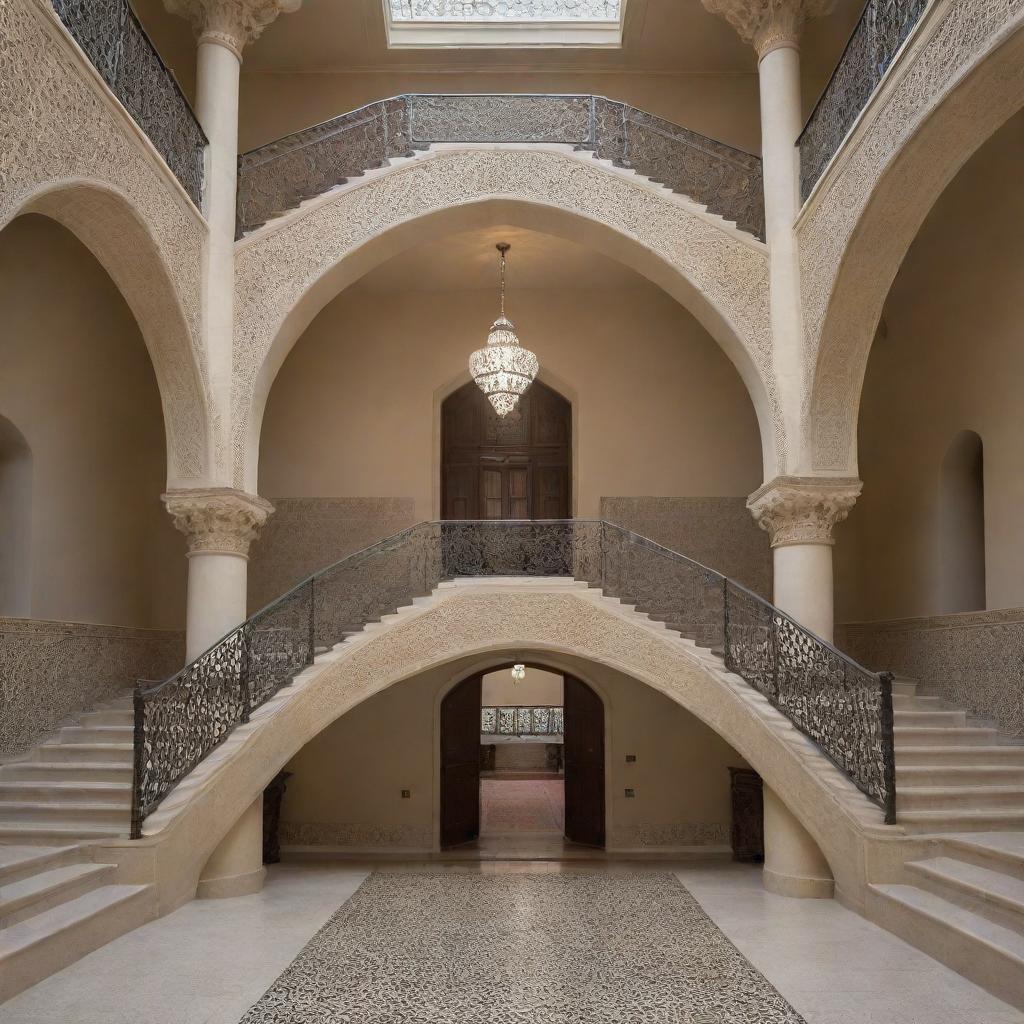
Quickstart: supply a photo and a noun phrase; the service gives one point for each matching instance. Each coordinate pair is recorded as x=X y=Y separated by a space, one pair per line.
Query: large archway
x=290 y=270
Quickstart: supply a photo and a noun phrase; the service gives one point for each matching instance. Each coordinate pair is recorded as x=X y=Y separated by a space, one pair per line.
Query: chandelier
x=503 y=369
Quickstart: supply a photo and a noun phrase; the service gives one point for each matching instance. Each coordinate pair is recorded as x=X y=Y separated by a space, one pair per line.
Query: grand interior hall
x=509 y=512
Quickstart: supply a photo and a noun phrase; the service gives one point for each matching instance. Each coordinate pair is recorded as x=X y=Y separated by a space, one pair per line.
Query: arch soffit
x=482 y=628
x=960 y=80
x=288 y=272
x=117 y=235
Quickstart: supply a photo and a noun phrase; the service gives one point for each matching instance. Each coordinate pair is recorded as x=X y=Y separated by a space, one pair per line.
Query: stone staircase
x=56 y=902
x=962 y=784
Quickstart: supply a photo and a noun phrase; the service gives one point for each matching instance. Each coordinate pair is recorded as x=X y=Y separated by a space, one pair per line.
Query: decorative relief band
x=218 y=520
x=803 y=510
x=357 y=836
x=633 y=837
x=230 y=23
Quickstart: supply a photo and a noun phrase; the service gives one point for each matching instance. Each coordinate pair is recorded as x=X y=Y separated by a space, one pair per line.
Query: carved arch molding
x=281 y=269
x=72 y=154
x=960 y=79
x=479 y=622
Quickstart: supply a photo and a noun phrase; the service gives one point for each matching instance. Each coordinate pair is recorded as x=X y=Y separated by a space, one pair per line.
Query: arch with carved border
x=957 y=83
x=289 y=270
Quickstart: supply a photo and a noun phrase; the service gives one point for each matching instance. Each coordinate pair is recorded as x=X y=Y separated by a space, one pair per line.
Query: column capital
x=218 y=520
x=803 y=510
x=769 y=24
x=230 y=23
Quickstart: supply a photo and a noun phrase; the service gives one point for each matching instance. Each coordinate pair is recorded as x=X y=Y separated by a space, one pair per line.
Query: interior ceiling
x=677 y=36
x=469 y=261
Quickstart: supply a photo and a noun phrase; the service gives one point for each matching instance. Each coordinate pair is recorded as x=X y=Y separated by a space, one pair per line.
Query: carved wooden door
x=460 y=763
x=584 y=764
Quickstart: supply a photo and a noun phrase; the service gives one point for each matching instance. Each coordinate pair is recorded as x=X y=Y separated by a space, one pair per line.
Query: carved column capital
x=803 y=510
x=218 y=520
x=769 y=24
x=231 y=23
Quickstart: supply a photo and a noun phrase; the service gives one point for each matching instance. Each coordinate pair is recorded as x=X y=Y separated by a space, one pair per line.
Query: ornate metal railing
x=279 y=176
x=845 y=709
x=543 y=720
x=117 y=45
x=880 y=32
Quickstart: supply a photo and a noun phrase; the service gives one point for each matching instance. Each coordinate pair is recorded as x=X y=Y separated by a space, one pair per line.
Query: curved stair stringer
x=489 y=616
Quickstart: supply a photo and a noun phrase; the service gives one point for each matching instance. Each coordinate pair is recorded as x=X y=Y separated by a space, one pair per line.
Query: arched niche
x=15 y=522
x=961 y=552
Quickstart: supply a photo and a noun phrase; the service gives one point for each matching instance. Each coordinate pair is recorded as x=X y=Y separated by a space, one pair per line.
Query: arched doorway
x=512 y=467
x=467 y=720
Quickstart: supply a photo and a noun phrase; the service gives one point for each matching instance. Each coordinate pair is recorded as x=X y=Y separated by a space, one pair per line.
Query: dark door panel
x=460 y=763
x=584 y=764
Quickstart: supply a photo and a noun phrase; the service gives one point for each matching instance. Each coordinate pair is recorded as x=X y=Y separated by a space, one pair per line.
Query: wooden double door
x=583 y=755
x=506 y=467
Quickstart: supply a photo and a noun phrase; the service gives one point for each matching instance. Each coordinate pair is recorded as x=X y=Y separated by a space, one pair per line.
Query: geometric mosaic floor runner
x=571 y=948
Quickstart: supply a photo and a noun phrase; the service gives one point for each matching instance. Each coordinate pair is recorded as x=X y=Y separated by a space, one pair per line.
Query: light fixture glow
x=518 y=673
x=503 y=369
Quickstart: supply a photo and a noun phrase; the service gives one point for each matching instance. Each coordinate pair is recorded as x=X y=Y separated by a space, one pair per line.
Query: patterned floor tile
x=533 y=805
x=571 y=948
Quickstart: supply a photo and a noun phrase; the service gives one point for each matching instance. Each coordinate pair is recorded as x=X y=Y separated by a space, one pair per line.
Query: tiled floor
x=211 y=960
x=508 y=805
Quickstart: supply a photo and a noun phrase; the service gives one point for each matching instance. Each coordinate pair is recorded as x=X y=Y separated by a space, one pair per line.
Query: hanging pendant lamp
x=503 y=369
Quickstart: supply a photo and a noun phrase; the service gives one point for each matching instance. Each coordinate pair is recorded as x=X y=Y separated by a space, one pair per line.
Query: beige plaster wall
x=536 y=689
x=78 y=385
x=658 y=409
x=722 y=106
x=948 y=358
x=347 y=782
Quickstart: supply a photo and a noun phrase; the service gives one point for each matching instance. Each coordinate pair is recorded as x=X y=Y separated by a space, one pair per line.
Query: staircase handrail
x=278 y=176
x=180 y=720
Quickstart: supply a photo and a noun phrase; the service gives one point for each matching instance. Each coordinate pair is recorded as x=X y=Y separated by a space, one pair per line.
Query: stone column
x=220 y=524
x=793 y=863
x=799 y=514
x=773 y=28
x=224 y=28
x=236 y=868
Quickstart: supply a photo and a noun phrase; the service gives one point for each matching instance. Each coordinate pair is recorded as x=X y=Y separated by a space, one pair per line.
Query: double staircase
x=56 y=902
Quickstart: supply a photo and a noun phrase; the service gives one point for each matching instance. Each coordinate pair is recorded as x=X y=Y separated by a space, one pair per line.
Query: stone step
x=38 y=947
x=75 y=792
x=18 y=862
x=910 y=702
x=108 y=716
x=65 y=771
x=26 y=833
x=95 y=813
x=904 y=686
x=959 y=797
x=911 y=776
x=931 y=736
x=107 y=753
x=998 y=851
x=985 y=952
x=31 y=896
x=949 y=755
x=991 y=894
x=97 y=734
x=919 y=822
x=938 y=719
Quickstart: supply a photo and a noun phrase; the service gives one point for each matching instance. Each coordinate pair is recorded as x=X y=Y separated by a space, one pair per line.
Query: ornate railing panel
x=880 y=32
x=112 y=38
x=845 y=709
x=279 y=176
x=545 y=720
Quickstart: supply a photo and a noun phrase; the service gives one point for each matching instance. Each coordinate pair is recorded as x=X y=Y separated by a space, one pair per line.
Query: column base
x=231 y=885
x=797 y=886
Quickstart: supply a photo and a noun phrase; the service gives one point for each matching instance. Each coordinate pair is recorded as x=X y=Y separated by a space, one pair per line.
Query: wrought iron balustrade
x=117 y=45
x=877 y=38
x=845 y=709
x=279 y=176
x=543 y=720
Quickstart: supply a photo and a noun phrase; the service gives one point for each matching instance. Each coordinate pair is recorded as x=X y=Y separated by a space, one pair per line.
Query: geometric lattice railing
x=544 y=720
x=117 y=45
x=880 y=32
x=842 y=707
x=279 y=176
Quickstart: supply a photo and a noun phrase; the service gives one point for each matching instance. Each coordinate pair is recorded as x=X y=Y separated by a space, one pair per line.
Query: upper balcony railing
x=517 y=720
x=117 y=45
x=880 y=32
x=845 y=709
x=278 y=177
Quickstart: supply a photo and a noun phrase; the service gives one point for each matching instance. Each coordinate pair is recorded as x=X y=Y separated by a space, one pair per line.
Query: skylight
x=504 y=23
